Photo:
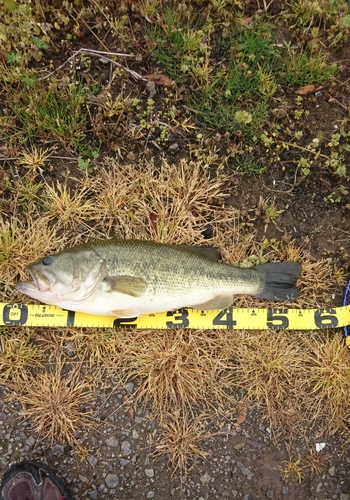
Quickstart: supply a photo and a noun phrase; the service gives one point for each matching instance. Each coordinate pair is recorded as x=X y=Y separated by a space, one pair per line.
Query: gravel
x=120 y=464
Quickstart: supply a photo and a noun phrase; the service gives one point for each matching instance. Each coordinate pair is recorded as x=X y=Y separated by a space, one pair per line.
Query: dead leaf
x=160 y=79
x=308 y=89
x=243 y=411
x=241 y=418
x=244 y=21
x=153 y=221
x=87 y=78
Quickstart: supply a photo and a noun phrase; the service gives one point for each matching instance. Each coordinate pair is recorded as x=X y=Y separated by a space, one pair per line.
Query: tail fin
x=279 y=280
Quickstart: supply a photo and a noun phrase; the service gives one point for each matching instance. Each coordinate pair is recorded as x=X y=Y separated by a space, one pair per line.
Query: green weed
x=51 y=113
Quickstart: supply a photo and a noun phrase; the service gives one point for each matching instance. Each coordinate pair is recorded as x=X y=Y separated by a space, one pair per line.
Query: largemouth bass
x=128 y=278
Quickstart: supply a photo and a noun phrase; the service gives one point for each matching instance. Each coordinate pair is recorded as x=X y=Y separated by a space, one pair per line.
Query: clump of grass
x=316 y=461
x=68 y=207
x=181 y=440
x=320 y=14
x=56 y=402
x=307 y=67
x=54 y=112
x=34 y=159
x=178 y=368
x=292 y=469
x=296 y=467
x=329 y=382
x=271 y=369
x=169 y=203
x=18 y=354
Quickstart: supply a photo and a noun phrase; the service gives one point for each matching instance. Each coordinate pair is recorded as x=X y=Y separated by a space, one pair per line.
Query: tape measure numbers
x=231 y=318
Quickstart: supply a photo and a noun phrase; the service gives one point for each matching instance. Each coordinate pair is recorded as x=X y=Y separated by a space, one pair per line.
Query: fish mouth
x=40 y=280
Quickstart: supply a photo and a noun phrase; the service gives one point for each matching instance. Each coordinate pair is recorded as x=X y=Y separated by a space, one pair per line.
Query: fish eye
x=47 y=261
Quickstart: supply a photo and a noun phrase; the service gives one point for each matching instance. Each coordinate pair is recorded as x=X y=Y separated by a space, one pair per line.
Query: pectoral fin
x=220 y=302
x=129 y=285
x=125 y=313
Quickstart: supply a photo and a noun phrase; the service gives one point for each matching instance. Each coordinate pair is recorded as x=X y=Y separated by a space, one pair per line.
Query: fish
x=129 y=278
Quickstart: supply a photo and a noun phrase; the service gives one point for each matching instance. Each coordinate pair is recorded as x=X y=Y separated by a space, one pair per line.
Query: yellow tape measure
x=231 y=318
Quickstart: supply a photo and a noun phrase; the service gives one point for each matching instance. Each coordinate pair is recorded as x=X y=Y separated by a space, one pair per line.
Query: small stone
x=111 y=480
x=112 y=442
x=285 y=490
x=150 y=494
x=126 y=447
x=149 y=472
x=269 y=494
x=331 y=471
x=245 y=471
x=58 y=450
x=83 y=479
x=205 y=478
x=344 y=496
x=173 y=146
x=130 y=386
x=135 y=434
x=92 y=460
x=93 y=494
x=30 y=441
x=124 y=461
x=248 y=496
x=238 y=442
x=131 y=156
x=69 y=348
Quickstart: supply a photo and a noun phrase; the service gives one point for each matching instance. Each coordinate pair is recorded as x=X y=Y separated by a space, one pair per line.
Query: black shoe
x=32 y=481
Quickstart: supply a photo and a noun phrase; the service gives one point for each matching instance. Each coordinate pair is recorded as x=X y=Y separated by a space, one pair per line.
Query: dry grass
x=56 y=401
x=68 y=208
x=18 y=353
x=298 y=381
x=178 y=368
x=181 y=440
x=313 y=463
x=22 y=240
x=167 y=203
x=329 y=382
x=271 y=369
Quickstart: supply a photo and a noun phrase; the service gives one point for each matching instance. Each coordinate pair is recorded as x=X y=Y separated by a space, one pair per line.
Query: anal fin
x=220 y=302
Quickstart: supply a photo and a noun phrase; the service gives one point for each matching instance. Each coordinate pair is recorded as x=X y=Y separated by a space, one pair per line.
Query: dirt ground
x=244 y=462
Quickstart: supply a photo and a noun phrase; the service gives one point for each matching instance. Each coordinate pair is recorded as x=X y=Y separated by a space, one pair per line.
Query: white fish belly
x=126 y=306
